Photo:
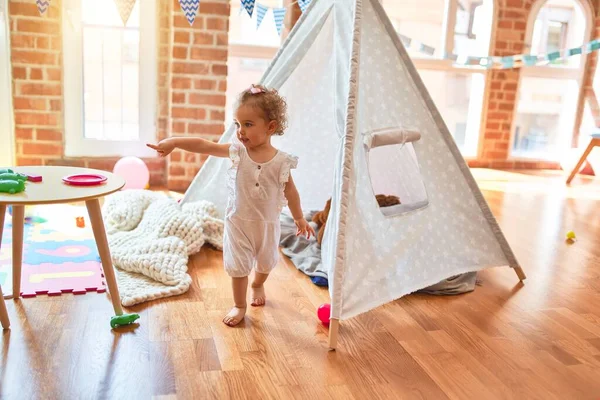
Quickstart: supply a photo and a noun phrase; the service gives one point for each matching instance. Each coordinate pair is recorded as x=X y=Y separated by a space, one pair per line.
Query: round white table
x=52 y=190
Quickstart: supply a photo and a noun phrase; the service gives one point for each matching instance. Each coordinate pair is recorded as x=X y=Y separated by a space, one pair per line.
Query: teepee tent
x=362 y=123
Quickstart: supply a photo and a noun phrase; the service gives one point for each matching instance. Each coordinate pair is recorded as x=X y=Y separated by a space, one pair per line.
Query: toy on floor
x=134 y=171
x=122 y=320
x=12 y=186
x=80 y=222
x=324 y=313
x=571 y=236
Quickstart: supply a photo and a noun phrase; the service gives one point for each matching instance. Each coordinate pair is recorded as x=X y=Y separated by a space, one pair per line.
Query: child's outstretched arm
x=293 y=198
x=192 y=144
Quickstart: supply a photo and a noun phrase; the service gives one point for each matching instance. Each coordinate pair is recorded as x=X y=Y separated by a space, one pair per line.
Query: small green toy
x=12 y=186
x=12 y=176
x=122 y=320
x=6 y=170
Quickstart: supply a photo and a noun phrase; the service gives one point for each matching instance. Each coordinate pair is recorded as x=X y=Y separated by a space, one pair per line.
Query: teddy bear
x=320 y=218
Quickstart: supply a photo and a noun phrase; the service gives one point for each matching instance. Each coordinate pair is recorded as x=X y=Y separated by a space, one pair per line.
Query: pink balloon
x=324 y=313
x=134 y=171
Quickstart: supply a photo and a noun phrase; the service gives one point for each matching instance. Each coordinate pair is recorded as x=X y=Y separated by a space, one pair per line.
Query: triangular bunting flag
x=249 y=6
x=303 y=4
x=279 y=15
x=190 y=9
x=125 y=7
x=42 y=5
x=260 y=14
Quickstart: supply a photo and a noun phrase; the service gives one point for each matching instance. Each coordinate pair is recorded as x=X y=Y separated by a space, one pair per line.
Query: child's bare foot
x=235 y=316
x=258 y=295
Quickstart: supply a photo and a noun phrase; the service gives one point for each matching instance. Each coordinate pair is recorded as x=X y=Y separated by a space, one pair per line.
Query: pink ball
x=324 y=313
x=134 y=171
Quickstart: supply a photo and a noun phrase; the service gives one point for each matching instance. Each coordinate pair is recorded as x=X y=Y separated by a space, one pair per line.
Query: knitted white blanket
x=151 y=236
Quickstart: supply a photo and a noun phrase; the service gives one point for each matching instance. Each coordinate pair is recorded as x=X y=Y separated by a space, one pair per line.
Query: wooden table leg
x=3 y=312
x=95 y=212
x=18 y=219
x=2 y=216
x=586 y=153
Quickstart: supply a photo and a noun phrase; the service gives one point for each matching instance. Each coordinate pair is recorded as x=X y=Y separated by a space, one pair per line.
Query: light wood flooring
x=540 y=340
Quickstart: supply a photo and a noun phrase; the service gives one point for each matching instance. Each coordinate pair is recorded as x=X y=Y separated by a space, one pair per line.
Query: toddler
x=260 y=185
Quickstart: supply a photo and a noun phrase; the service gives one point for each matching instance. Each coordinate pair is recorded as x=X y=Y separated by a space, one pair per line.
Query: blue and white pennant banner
x=249 y=6
x=526 y=60
x=303 y=4
x=42 y=5
x=278 y=12
x=506 y=62
x=279 y=15
x=261 y=11
x=190 y=9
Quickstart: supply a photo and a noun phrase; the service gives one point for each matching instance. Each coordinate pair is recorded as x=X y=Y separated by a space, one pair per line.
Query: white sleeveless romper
x=256 y=198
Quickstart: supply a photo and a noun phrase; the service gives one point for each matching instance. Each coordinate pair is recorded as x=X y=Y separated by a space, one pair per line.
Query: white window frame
x=76 y=145
x=7 y=132
x=553 y=72
x=446 y=65
x=429 y=63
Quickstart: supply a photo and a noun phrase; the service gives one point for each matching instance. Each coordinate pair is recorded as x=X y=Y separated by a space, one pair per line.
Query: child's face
x=253 y=130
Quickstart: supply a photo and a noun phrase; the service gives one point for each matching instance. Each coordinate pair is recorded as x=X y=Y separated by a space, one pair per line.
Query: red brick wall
x=198 y=82
x=37 y=81
x=191 y=84
x=509 y=39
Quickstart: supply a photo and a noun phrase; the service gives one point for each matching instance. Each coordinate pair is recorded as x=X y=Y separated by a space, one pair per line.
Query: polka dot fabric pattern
x=388 y=258
x=344 y=74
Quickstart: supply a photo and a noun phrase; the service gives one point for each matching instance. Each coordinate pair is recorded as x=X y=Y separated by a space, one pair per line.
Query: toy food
x=122 y=320
x=12 y=186
x=12 y=176
x=34 y=178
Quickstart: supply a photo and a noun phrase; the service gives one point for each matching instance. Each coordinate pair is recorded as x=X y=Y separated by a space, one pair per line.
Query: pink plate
x=84 y=179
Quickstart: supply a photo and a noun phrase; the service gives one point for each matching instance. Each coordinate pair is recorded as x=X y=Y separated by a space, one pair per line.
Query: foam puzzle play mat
x=59 y=253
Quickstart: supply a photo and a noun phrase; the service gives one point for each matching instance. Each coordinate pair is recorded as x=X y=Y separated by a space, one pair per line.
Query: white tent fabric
x=345 y=74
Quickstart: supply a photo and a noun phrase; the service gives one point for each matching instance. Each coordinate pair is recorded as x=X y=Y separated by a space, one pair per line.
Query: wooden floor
x=540 y=340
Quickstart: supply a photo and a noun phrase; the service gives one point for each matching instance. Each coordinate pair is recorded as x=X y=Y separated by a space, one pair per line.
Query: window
x=398 y=190
x=459 y=97
x=250 y=49
x=548 y=94
x=432 y=29
x=110 y=78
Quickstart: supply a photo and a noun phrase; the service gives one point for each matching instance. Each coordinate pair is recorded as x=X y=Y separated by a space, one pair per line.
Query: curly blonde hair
x=269 y=101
